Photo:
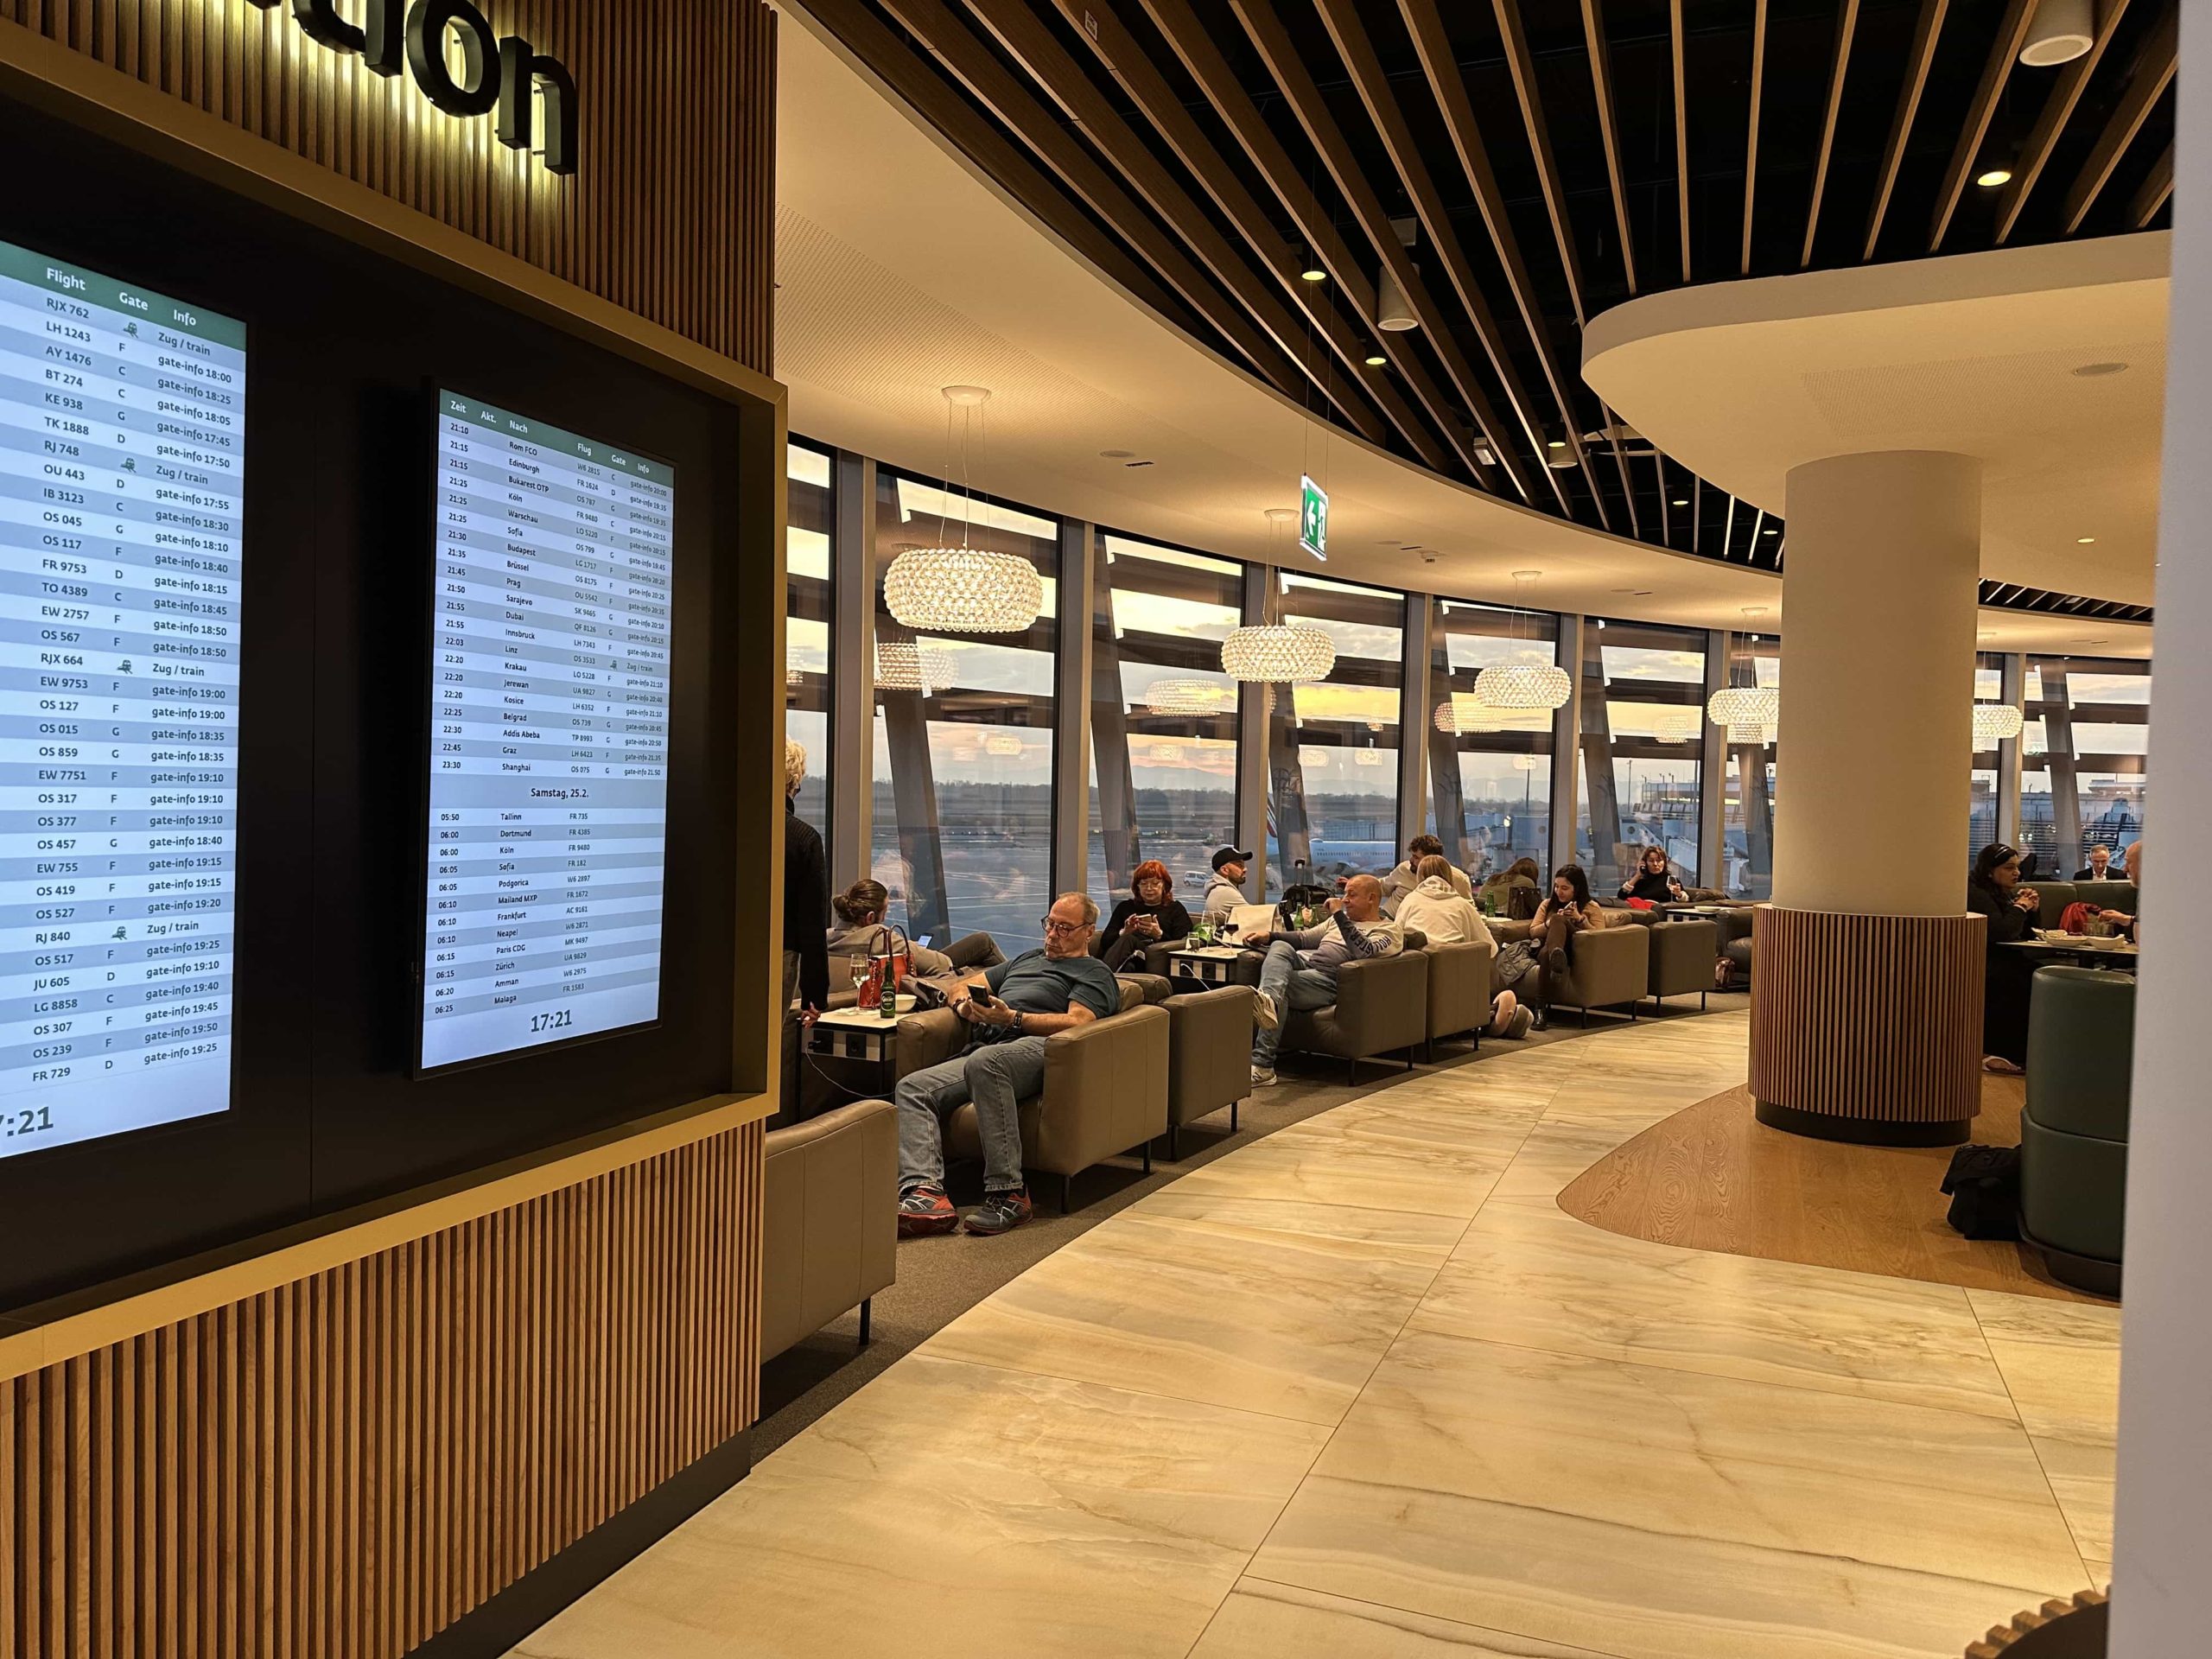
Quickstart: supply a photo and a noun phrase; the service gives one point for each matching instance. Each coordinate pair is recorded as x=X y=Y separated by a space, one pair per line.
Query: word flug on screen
x=122 y=471
x=549 y=737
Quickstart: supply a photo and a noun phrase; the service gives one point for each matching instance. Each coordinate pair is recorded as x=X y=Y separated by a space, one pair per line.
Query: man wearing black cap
x=1227 y=890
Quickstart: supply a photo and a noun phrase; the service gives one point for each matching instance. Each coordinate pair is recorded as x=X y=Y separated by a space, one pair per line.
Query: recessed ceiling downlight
x=2092 y=370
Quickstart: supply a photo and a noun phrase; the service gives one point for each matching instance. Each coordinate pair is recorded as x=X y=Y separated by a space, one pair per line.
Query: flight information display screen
x=122 y=470
x=549 y=736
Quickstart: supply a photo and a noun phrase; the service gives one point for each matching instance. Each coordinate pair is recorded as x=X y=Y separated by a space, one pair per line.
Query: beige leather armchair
x=829 y=1227
x=1458 y=990
x=1105 y=1087
x=1208 y=1055
x=1682 y=955
x=1607 y=967
x=1382 y=1006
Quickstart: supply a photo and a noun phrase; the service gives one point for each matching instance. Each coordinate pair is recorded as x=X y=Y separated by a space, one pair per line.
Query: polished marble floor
x=1363 y=1389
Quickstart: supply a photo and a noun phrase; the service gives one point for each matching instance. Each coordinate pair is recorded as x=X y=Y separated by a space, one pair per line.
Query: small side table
x=859 y=1045
x=1214 y=965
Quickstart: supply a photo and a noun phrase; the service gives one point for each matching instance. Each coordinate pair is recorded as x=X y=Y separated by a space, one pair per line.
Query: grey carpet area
x=940 y=1279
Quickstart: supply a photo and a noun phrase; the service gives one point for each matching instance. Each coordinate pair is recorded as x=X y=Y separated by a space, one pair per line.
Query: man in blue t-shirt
x=1022 y=1002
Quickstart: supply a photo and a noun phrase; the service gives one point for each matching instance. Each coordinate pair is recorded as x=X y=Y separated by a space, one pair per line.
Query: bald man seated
x=1300 y=972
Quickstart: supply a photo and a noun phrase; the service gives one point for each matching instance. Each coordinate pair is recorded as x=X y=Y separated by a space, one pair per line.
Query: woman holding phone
x=1566 y=910
x=1152 y=915
x=1652 y=880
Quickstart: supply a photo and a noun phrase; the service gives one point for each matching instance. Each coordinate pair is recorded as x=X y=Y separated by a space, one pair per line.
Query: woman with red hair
x=1152 y=915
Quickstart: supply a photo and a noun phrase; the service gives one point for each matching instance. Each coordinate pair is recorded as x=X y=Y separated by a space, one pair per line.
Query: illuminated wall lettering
x=535 y=95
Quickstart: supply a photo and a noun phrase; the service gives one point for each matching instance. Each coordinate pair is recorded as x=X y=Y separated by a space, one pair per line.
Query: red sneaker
x=924 y=1210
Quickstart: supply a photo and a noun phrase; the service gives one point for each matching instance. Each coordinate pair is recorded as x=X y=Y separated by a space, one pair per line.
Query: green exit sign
x=1313 y=519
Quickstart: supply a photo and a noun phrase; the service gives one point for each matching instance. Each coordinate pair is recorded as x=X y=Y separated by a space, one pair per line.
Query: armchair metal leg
x=1700 y=1002
x=1351 y=1073
x=1233 y=1105
x=1410 y=1057
x=867 y=1308
x=1065 y=1184
x=1174 y=1143
x=1148 y=1157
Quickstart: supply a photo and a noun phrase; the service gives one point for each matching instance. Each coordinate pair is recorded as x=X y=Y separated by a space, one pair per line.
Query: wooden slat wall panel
x=340 y=1468
x=670 y=213
x=1869 y=1017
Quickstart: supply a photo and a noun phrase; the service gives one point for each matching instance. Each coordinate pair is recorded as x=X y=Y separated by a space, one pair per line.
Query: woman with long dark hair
x=1994 y=891
x=1565 y=911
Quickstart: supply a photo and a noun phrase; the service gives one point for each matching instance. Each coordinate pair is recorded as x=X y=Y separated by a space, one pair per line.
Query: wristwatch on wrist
x=1017 y=1022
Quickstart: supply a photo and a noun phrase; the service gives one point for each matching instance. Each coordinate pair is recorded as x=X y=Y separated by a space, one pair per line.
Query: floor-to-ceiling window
x=1747 y=803
x=1642 y=749
x=1333 y=744
x=1982 y=790
x=807 y=633
x=1490 y=771
x=962 y=805
x=1163 y=715
x=2084 y=772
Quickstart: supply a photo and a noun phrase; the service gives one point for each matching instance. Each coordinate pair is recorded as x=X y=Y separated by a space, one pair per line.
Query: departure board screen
x=549 y=736
x=122 y=470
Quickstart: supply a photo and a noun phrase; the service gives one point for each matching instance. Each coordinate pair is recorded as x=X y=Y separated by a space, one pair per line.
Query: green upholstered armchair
x=2074 y=1133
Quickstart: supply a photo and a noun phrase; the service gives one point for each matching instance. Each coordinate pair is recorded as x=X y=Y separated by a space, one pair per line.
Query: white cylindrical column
x=2163 y=1529
x=1876 y=746
x=1866 y=972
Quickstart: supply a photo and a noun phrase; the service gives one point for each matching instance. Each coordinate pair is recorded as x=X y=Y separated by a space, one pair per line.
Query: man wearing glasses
x=1019 y=1004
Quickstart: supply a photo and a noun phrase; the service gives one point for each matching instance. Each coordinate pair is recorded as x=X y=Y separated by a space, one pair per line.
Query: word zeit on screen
x=535 y=95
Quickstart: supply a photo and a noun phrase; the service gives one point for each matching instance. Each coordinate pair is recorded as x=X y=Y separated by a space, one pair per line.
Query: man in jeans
x=1039 y=991
x=1299 y=971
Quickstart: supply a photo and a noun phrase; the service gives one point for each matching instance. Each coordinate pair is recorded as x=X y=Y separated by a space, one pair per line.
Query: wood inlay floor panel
x=1376 y=1393
x=1712 y=1177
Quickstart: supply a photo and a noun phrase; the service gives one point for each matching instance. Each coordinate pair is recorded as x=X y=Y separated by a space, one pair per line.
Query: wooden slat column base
x=1867 y=1028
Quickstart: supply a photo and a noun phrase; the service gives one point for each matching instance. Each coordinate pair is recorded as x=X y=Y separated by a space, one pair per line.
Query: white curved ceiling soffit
x=901 y=270
x=2048 y=363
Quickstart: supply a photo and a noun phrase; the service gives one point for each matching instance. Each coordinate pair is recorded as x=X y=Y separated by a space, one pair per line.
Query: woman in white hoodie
x=1438 y=910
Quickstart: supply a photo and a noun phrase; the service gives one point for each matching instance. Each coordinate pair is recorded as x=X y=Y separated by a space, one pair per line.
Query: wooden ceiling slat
x=959 y=52
x=1682 y=131
x=1187 y=38
x=1108 y=36
x=1524 y=66
x=1268 y=34
x=1996 y=70
x=1601 y=84
x=1925 y=33
x=2151 y=194
x=1846 y=24
x=1340 y=18
x=920 y=87
x=1424 y=22
x=2057 y=109
x=1751 y=135
x=1025 y=37
x=2151 y=72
